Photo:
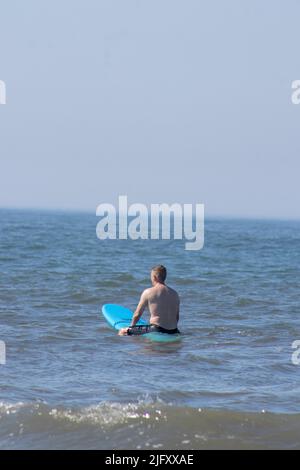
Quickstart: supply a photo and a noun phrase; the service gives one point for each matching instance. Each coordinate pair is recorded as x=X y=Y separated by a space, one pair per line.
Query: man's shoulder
x=173 y=292
x=147 y=292
x=150 y=293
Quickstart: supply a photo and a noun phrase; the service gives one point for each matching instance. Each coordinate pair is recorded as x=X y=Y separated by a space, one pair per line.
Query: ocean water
x=70 y=382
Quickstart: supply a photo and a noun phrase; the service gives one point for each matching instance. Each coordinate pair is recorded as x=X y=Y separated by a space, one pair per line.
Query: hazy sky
x=161 y=100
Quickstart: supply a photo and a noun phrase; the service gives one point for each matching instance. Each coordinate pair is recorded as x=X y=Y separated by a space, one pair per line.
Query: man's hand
x=123 y=332
x=138 y=312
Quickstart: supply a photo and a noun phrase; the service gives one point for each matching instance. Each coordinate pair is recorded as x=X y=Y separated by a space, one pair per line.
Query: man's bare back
x=163 y=305
x=162 y=302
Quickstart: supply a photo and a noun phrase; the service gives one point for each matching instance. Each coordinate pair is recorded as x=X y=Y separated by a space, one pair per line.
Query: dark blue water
x=70 y=381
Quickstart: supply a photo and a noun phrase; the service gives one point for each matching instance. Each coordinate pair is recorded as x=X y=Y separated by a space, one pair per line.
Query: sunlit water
x=71 y=382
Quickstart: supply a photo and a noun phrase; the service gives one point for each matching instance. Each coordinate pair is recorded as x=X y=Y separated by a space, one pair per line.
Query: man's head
x=158 y=274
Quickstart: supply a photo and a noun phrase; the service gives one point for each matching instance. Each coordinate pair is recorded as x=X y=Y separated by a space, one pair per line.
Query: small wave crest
x=110 y=425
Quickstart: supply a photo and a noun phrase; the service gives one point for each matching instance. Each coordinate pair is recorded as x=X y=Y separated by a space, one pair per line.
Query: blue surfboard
x=120 y=317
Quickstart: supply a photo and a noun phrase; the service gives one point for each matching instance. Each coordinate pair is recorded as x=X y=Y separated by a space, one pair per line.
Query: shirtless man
x=163 y=305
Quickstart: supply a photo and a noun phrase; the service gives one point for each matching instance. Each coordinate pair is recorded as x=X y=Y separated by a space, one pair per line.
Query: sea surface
x=70 y=382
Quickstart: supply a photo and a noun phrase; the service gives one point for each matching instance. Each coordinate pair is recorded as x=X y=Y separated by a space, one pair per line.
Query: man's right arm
x=140 y=308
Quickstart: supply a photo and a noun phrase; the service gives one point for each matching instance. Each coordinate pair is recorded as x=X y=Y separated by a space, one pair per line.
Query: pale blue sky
x=162 y=100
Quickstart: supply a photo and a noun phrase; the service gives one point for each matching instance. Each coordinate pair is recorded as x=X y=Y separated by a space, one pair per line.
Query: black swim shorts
x=143 y=329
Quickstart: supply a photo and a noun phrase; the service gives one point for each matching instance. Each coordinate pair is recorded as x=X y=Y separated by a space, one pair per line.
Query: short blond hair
x=160 y=272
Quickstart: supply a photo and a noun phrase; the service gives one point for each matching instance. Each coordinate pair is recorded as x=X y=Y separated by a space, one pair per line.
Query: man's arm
x=140 y=308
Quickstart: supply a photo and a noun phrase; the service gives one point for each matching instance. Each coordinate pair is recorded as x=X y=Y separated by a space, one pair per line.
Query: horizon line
x=207 y=216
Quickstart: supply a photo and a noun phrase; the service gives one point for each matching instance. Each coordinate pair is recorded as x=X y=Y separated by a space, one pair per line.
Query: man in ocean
x=163 y=305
